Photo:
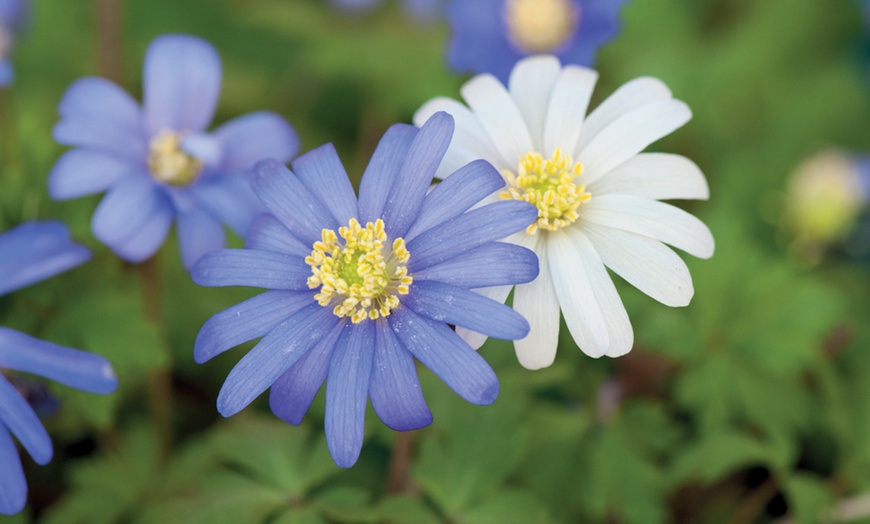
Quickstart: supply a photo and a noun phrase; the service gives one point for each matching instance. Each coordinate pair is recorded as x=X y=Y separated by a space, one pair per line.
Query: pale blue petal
x=395 y=390
x=35 y=251
x=246 y=267
x=492 y=264
x=198 y=234
x=7 y=76
x=464 y=308
x=441 y=350
x=347 y=387
x=182 y=81
x=229 y=199
x=71 y=367
x=269 y=234
x=380 y=174
x=246 y=321
x=274 y=355
x=83 y=172
x=13 y=485
x=205 y=147
x=469 y=231
x=248 y=139
x=19 y=418
x=323 y=174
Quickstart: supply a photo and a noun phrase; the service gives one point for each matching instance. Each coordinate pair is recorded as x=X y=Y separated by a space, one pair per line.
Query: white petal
x=537 y=302
x=499 y=116
x=531 y=84
x=576 y=294
x=644 y=263
x=660 y=176
x=568 y=106
x=469 y=142
x=627 y=98
x=473 y=338
x=651 y=218
x=630 y=134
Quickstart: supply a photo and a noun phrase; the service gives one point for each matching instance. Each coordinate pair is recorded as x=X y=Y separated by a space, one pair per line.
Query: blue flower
x=417 y=9
x=358 y=289
x=28 y=254
x=13 y=13
x=157 y=163
x=490 y=36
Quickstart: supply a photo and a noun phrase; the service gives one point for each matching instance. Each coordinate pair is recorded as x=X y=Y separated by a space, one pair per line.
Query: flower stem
x=109 y=39
x=400 y=463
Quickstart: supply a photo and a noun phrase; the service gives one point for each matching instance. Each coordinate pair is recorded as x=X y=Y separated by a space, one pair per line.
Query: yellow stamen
x=550 y=186
x=540 y=26
x=170 y=164
x=358 y=275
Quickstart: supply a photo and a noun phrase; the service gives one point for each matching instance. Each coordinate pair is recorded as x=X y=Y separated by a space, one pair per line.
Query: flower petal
x=78 y=369
x=469 y=231
x=383 y=168
x=461 y=307
x=229 y=199
x=269 y=234
x=567 y=108
x=246 y=267
x=198 y=234
x=13 y=485
x=492 y=264
x=445 y=354
x=531 y=86
x=83 y=172
x=456 y=195
x=35 y=251
x=181 y=83
x=538 y=303
x=274 y=355
x=644 y=263
x=659 y=176
x=323 y=174
x=394 y=389
x=257 y=136
x=246 y=321
x=347 y=387
x=653 y=219
x=415 y=176
x=476 y=339
x=19 y=418
x=499 y=116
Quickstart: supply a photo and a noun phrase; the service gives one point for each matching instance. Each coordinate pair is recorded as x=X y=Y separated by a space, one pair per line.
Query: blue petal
x=464 y=308
x=246 y=267
x=71 y=367
x=269 y=234
x=83 y=172
x=182 y=82
x=479 y=43
x=205 y=147
x=441 y=350
x=97 y=114
x=133 y=218
x=456 y=194
x=13 y=485
x=248 y=139
x=229 y=199
x=599 y=22
x=380 y=174
x=469 y=231
x=35 y=251
x=291 y=202
x=13 y=13
x=492 y=264
x=294 y=391
x=198 y=234
x=415 y=176
x=246 y=321
x=347 y=389
x=274 y=355
x=395 y=391
x=323 y=174
x=7 y=76
x=18 y=416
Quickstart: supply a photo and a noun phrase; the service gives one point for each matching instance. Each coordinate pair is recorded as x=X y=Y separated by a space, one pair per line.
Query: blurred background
x=750 y=405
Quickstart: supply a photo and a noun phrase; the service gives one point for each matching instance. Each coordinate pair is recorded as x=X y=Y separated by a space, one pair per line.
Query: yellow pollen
x=550 y=186
x=540 y=26
x=168 y=163
x=360 y=276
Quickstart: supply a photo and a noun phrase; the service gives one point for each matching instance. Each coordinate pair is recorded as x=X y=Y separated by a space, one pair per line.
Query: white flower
x=537 y=134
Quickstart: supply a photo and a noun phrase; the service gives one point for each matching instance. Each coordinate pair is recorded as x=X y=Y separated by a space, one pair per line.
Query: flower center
x=540 y=26
x=358 y=275
x=549 y=186
x=169 y=163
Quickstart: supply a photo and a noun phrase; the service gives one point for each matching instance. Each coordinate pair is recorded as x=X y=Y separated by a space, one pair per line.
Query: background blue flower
x=490 y=36
x=156 y=163
x=452 y=250
x=28 y=254
x=13 y=14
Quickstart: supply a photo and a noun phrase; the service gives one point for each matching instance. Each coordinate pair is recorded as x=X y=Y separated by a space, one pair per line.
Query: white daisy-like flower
x=598 y=197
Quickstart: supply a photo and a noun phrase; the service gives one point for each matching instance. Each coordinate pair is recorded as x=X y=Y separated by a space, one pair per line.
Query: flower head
x=157 y=163
x=13 y=14
x=358 y=288
x=597 y=197
x=490 y=36
x=28 y=254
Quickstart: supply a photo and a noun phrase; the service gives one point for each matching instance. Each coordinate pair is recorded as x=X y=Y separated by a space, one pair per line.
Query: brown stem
x=400 y=463
x=109 y=39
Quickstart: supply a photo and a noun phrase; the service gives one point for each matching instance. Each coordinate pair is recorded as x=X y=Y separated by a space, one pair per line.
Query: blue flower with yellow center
x=28 y=254
x=13 y=14
x=359 y=288
x=157 y=163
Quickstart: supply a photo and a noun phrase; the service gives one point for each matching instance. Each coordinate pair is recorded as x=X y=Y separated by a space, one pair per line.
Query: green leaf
x=808 y=496
x=717 y=455
x=507 y=506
